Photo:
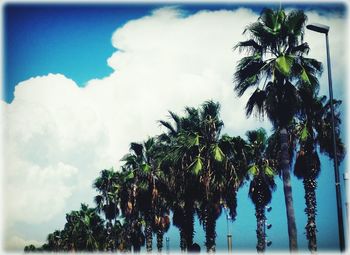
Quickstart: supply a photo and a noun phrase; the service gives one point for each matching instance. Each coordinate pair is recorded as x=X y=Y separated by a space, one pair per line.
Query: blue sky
x=76 y=41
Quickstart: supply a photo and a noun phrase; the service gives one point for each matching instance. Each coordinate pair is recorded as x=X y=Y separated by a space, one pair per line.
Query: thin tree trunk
x=287 y=188
x=260 y=229
x=310 y=185
x=111 y=245
x=189 y=223
x=182 y=240
x=137 y=248
x=160 y=234
x=210 y=234
x=148 y=235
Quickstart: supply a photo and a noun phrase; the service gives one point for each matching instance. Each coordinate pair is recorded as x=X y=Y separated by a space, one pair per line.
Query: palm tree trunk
x=310 y=185
x=287 y=188
x=128 y=239
x=182 y=240
x=210 y=234
x=137 y=248
x=160 y=234
x=260 y=228
x=189 y=223
x=149 y=237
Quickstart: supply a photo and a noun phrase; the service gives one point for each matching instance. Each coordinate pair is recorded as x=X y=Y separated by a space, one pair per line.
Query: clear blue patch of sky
x=75 y=39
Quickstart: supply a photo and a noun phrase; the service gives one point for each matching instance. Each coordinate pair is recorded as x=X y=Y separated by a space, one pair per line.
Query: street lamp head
x=318 y=28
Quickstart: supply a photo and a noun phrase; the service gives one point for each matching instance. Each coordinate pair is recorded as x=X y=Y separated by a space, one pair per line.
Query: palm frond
x=137 y=148
x=256 y=102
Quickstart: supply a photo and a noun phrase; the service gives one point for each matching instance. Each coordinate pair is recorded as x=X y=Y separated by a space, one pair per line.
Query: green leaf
x=304 y=134
x=146 y=168
x=269 y=171
x=257 y=56
x=305 y=77
x=252 y=79
x=130 y=176
x=143 y=185
x=217 y=153
x=284 y=64
x=195 y=140
x=197 y=166
x=253 y=169
x=87 y=220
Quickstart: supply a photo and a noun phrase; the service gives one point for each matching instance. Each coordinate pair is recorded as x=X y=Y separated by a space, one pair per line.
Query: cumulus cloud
x=338 y=41
x=59 y=136
x=13 y=242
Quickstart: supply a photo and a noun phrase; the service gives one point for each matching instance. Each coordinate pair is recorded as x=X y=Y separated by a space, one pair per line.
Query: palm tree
x=54 y=240
x=235 y=165
x=313 y=130
x=129 y=203
x=276 y=65
x=160 y=193
x=85 y=229
x=202 y=177
x=141 y=160
x=211 y=172
x=30 y=248
x=107 y=201
x=208 y=163
x=161 y=218
x=262 y=183
x=177 y=153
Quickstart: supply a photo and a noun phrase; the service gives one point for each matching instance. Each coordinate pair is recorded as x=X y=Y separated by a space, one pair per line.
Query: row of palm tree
x=192 y=169
x=189 y=169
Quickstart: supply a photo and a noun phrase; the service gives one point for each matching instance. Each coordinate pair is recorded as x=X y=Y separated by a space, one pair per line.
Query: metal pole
x=346 y=178
x=229 y=236
x=167 y=243
x=264 y=231
x=336 y=169
x=229 y=242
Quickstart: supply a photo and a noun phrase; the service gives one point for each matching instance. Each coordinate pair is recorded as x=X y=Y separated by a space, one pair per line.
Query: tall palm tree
x=129 y=204
x=141 y=160
x=54 y=240
x=262 y=183
x=83 y=231
x=107 y=201
x=211 y=171
x=235 y=165
x=313 y=130
x=204 y=172
x=276 y=65
x=208 y=162
x=126 y=206
x=177 y=150
x=161 y=222
x=160 y=193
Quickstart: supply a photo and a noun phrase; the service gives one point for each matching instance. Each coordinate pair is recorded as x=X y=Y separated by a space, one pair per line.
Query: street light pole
x=324 y=30
x=167 y=244
x=229 y=235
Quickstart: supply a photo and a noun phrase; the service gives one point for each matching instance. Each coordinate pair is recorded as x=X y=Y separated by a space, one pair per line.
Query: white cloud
x=58 y=136
x=338 y=41
x=15 y=242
